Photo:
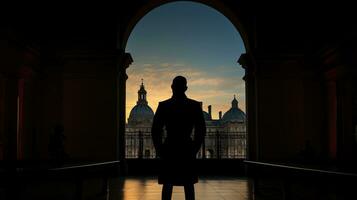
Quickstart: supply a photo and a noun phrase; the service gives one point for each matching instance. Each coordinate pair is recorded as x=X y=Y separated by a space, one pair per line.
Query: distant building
x=225 y=139
x=138 y=130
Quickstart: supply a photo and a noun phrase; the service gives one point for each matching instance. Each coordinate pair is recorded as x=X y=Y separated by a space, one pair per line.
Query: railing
x=296 y=181
x=217 y=145
x=17 y=179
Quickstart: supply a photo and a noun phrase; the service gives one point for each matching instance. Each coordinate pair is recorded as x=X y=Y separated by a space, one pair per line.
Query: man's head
x=179 y=85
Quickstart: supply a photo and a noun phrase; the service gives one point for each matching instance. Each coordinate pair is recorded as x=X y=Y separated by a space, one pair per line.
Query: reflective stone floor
x=208 y=188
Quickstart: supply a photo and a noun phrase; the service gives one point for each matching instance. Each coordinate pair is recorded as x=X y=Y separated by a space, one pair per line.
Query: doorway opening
x=198 y=42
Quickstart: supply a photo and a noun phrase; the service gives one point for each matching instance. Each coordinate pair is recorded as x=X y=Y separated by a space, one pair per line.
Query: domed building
x=225 y=138
x=137 y=131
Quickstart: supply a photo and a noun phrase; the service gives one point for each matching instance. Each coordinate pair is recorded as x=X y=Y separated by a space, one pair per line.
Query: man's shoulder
x=170 y=101
x=192 y=101
x=165 y=102
x=194 y=104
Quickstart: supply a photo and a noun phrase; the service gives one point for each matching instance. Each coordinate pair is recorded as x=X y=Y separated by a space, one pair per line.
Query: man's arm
x=200 y=130
x=157 y=130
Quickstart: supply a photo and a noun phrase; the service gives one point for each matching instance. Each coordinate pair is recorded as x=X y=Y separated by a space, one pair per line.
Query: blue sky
x=190 y=39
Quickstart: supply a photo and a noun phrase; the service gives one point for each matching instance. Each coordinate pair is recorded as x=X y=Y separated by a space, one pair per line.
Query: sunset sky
x=189 y=39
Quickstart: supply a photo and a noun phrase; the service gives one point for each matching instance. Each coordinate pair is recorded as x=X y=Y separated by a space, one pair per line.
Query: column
x=124 y=60
x=2 y=116
x=8 y=117
x=340 y=86
x=252 y=139
x=24 y=76
x=345 y=108
x=204 y=148
x=218 y=145
x=141 y=145
x=331 y=110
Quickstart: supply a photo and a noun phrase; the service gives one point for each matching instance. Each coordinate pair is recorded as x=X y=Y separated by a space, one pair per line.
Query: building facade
x=226 y=137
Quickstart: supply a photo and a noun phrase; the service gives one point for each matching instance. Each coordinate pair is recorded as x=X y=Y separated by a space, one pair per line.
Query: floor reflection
x=208 y=188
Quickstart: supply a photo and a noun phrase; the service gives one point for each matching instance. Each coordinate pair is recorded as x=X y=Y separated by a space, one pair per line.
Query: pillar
x=250 y=90
x=331 y=111
x=23 y=103
x=124 y=60
x=8 y=116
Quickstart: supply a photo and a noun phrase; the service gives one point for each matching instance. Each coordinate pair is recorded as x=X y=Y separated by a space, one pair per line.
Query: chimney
x=220 y=114
x=210 y=110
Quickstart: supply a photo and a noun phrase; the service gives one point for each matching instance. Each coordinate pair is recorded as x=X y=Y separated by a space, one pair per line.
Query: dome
x=234 y=114
x=206 y=116
x=141 y=113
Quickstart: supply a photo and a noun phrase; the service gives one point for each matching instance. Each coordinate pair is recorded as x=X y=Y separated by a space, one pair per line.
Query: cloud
x=165 y=64
x=208 y=81
x=147 y=65
x=172 y=64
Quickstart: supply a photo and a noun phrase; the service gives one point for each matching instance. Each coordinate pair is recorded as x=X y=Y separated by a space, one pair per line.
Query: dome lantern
x=234 y=102
x=142 y=94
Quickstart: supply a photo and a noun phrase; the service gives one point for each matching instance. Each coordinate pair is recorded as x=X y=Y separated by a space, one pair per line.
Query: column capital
x=127 y=60
x=245 y=60
x=124 y=60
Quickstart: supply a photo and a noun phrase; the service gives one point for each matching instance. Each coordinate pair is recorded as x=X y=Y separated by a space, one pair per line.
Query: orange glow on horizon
x=160 y=90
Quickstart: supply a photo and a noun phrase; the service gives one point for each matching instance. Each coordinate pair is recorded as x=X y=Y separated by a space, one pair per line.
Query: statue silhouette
x=180 y=117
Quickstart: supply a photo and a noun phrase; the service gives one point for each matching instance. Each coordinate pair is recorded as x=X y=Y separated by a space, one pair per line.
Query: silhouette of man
x=180 y=117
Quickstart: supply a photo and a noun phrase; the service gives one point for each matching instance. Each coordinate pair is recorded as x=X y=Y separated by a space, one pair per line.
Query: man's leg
x=189 y=192
x=166 y=192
